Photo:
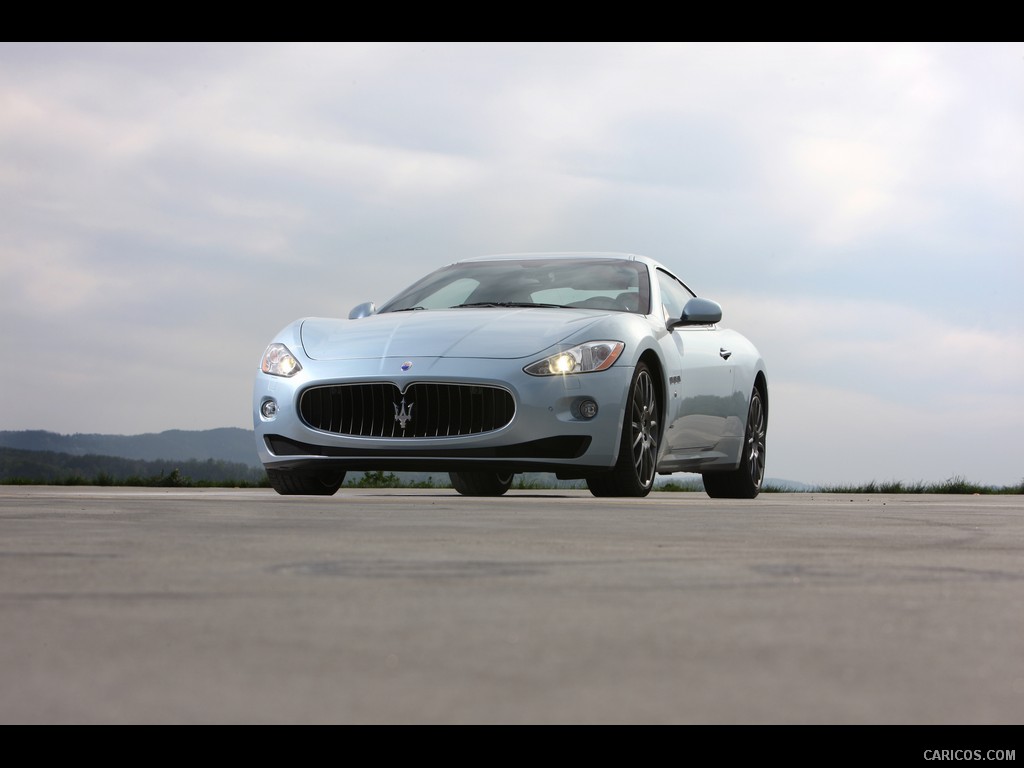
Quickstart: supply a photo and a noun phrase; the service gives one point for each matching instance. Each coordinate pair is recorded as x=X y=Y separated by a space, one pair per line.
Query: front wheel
x=634 y=471
x=311 y=482
x=481 y=483
x=744 y=482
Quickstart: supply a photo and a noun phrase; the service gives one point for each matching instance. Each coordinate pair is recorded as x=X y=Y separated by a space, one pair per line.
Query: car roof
x=558 y=255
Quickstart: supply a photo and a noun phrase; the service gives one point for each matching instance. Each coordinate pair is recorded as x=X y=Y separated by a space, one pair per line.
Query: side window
x=674 y=296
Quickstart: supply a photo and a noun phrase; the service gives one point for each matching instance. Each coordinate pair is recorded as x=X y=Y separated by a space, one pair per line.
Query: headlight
x=279 y=361
x=585 y=358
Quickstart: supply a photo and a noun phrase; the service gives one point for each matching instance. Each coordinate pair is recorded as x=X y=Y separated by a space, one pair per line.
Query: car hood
x=468 y=332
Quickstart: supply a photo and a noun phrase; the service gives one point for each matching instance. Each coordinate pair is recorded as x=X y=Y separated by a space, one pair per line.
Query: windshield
x=608 y=284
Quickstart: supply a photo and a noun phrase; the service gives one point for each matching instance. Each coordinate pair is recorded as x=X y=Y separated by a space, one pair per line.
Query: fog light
x=588 y=409
x=268 y=409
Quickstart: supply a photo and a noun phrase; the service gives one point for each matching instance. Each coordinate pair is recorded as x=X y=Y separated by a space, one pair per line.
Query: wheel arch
x=650 y=358
x=761 y=385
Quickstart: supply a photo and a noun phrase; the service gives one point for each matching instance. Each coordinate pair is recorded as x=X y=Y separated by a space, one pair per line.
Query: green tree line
x=52 y=468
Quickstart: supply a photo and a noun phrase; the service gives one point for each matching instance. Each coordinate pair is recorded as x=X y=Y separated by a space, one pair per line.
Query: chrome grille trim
x=432 y=409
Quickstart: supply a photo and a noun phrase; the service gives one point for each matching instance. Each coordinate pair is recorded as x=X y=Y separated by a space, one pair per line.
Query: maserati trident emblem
x=404 y=415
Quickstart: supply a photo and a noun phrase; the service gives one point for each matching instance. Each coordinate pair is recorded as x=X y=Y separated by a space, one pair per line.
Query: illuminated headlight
x=586 y=358
x=279 y=361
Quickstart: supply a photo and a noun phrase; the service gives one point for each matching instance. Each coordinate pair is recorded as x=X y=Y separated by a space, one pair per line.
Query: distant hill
x=50 y=467
x=227 y=444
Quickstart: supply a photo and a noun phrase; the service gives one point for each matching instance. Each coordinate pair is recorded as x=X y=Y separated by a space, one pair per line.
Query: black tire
x=481 y=483
x=636 y=466
x=305 y=482
x=744 y=482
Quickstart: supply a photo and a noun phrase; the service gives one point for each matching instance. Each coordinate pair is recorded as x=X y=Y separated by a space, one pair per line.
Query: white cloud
x=48 y=277
x=848 y=189
x=864 y=390
x=841 y=435
x=885 y=348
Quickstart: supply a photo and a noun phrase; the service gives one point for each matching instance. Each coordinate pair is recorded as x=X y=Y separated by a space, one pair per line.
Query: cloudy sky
x=857 y=209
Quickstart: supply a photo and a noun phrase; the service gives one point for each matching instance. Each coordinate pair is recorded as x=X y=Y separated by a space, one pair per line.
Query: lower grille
x=424 y=410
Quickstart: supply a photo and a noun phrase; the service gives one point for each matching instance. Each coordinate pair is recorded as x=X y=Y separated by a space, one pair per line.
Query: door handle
x=725 y=353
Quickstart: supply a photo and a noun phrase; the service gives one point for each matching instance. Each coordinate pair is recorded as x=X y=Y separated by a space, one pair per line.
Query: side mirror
x=699 y=311
x=363 y=310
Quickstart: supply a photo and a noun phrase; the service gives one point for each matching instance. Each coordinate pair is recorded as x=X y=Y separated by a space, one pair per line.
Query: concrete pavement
x=421 y=606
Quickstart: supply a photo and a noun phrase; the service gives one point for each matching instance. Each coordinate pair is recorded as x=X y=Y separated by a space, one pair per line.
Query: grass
x=953 y=485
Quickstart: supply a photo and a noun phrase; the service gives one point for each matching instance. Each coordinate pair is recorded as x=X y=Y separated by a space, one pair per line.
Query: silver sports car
x=604 y=367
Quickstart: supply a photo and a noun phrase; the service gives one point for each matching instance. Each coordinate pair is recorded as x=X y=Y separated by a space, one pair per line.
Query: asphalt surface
x=419 y=606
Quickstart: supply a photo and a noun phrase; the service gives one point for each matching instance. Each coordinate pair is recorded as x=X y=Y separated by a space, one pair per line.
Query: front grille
x=424 y=410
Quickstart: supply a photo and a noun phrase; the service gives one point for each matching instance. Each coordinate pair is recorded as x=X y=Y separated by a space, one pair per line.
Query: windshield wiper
x=510 y=304
x=406 y=309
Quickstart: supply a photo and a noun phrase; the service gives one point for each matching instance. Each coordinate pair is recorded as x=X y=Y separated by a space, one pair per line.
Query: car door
x=700 y=378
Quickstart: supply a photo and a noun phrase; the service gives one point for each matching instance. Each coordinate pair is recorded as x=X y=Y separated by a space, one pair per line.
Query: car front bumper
x=548 y=431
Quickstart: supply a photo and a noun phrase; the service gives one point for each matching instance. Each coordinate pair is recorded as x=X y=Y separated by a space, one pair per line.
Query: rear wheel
x=305 y=482
x=634 y=471
x=744 y=482
x=481 y=483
